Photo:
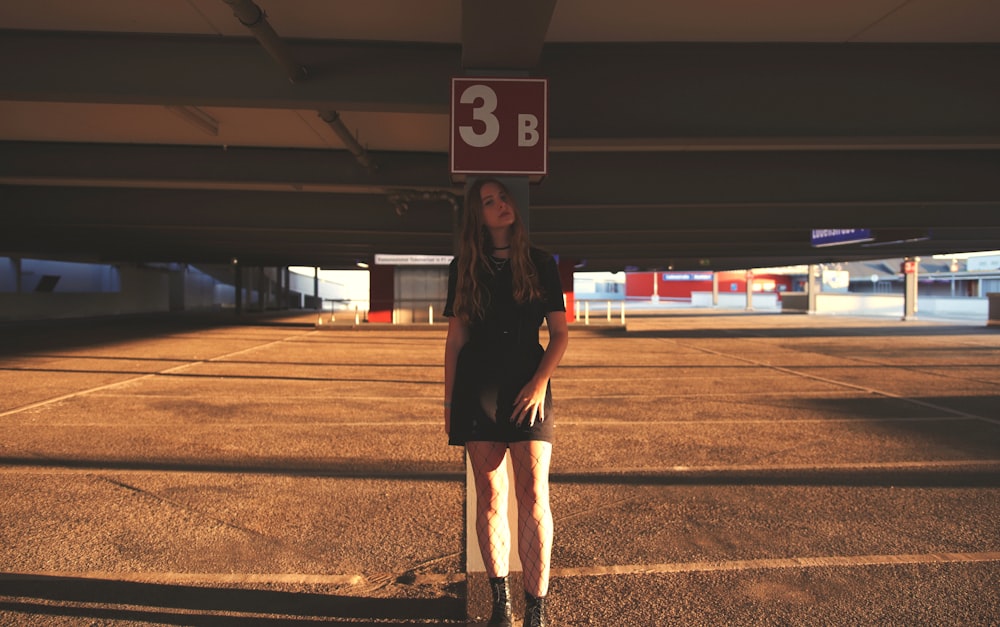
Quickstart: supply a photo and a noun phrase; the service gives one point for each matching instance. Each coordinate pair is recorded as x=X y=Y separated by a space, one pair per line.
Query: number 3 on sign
x=527 y=124
x=498 y=126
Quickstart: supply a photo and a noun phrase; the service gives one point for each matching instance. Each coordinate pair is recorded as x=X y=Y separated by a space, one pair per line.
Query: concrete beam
x=506 y=35
x=597 y=91
x=824 y=184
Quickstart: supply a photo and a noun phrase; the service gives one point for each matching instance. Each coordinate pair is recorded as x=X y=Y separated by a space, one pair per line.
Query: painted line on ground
x=779 y=563
x=847 y=561
x=847 y=384
x=631 y=424
x=750 y=421
x=901 y=465
x=92 y=467
x=107 y=386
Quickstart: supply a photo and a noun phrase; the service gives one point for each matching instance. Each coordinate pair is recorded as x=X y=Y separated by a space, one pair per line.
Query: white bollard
x=430 y=314
x=609 y=311
x=623 y=313
x=586 y=313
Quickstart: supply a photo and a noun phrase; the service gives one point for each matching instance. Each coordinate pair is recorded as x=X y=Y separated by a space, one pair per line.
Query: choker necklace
x=498 y=263
x=507 y=247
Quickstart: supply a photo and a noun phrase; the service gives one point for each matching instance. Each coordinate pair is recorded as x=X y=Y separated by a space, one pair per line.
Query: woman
x=497 y=393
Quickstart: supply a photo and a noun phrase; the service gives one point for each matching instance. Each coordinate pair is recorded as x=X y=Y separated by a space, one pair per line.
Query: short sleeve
x=551 y=285
x=449 y=305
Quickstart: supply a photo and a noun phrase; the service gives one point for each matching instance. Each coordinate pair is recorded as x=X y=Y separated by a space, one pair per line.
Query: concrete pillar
x=177 y=280
x=279 y=288
x=382 y=291
x=287 y=294
x=910 y=268
x=477 y=585
x=266 y=289
x=18 y=278
x=238 y=287
x=566 y=268
x=317 y=303
x=812 y=287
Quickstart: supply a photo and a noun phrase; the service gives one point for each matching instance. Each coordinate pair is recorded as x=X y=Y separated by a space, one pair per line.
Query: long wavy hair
x=471 y=295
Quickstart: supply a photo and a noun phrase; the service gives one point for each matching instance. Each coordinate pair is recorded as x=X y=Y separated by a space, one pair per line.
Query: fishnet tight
x=530 y=461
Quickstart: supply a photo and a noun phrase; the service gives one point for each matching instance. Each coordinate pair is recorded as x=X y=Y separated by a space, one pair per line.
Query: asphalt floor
x=709 y=468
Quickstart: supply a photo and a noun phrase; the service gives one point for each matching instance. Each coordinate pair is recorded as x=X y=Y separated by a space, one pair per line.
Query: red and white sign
x=499 y=126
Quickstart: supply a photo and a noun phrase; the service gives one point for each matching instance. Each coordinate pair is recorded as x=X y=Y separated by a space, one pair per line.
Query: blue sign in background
x=686 y=276
x=832 y=237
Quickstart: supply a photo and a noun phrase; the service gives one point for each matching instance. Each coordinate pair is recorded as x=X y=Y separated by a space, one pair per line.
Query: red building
x=680 y=285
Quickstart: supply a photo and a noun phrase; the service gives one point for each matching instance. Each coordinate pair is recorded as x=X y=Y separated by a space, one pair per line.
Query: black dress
x=501 y=356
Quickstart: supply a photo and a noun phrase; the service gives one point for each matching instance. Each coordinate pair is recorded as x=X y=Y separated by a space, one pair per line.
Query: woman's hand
x=530 y=403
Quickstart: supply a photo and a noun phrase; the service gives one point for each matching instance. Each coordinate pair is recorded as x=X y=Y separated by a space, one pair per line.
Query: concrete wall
x=42 y=275
x=762 y=301
x=886 y=305
x=84 y=290
x=142 y=291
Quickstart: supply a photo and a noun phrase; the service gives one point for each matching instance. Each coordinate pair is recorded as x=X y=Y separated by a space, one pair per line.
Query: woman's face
x=498 y=211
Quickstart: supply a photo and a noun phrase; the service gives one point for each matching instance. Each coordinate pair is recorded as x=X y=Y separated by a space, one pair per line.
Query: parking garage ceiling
x=709 y=135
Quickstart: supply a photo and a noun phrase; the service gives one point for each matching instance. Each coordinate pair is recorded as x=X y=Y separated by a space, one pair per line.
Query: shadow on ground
x=106 y=599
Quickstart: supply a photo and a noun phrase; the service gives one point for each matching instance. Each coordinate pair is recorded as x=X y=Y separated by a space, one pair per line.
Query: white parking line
x=846 y=384
x=900 y=465
x=833 y=561
x=92 y=468
x=776 y=563
x=98 y=388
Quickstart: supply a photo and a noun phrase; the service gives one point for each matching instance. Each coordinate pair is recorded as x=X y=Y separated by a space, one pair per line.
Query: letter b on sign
x=498 y=126
x=527 y=129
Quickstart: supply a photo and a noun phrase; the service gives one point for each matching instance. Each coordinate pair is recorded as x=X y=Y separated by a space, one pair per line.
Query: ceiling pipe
x=253 y=17
x=332 y=118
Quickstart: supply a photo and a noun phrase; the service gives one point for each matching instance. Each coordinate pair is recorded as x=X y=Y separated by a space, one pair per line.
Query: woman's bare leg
x=534 y=518
x=492 y=526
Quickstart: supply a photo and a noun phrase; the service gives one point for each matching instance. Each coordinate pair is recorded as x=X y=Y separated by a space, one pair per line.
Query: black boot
x=534 y=611
x=502 y=615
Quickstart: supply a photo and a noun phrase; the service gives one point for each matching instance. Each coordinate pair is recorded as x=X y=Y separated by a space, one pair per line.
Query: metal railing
x=586 y=307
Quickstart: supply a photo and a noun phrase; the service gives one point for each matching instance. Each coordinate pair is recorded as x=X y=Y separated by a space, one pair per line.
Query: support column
x=177 y=280
x=265 y=280
x=382 y=293
x=910 y=267
x=280 y=298
x=287 y=296
x=566 y=268
x=477 y=585
x=238 y=286
x=812 y=288
x=18 y=278
x=317 y=301
x=715 y=289
x=749 y=289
